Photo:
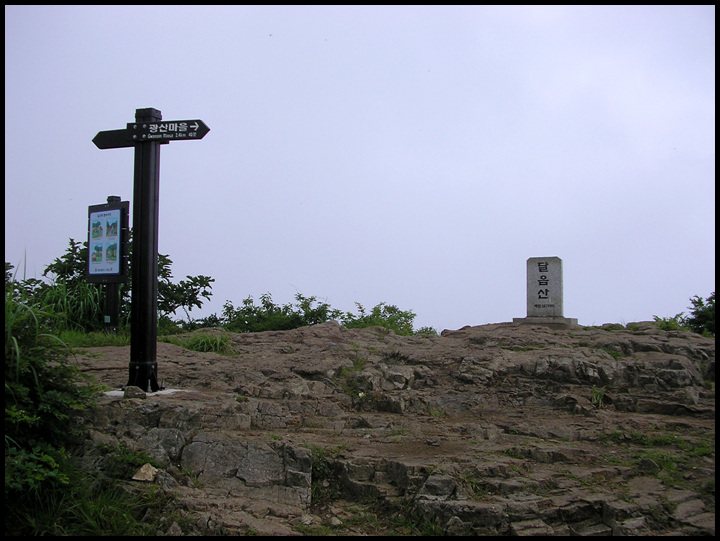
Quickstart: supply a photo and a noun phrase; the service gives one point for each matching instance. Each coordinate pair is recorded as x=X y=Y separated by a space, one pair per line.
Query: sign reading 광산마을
x=157 y=132
x=171 y=130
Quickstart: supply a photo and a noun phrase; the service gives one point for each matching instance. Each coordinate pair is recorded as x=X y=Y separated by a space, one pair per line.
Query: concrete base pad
x=552 y=322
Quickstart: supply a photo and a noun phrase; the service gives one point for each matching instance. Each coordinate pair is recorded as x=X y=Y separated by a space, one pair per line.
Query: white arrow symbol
x=196 y=126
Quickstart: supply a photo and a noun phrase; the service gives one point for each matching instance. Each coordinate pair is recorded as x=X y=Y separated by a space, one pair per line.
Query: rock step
x=531 y=527
x=501 y=505
x=590 y=527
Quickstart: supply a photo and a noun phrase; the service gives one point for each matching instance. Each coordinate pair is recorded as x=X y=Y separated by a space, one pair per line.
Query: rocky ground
x=502 y=429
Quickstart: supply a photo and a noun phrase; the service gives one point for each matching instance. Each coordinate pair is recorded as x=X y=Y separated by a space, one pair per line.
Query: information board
x=107 y=242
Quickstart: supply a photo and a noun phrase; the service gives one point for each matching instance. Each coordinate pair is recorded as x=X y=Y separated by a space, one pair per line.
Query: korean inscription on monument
x=544 y=287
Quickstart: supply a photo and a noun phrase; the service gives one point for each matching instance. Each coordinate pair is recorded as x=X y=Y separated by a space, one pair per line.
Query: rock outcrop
x=500 y=429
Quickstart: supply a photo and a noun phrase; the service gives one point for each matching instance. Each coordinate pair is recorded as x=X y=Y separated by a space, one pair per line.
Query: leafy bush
x=45 y=494
x=185 y=294
x=383 y=315
x=80 y=305
x=427 y=331
x=41 y=385
x=701 y=319
x=42 y=391
x=676 y=323
x=269 y=316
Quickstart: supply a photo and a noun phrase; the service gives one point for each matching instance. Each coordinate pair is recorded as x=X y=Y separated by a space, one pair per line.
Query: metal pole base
x=144 y=375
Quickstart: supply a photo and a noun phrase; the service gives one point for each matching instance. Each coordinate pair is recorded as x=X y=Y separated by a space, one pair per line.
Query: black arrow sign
x=159 y=132
x=113 y=139
x=168 y=130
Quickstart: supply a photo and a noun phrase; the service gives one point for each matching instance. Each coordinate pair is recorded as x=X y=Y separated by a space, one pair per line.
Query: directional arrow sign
x=159 y=132
x=113 y=139
x=167 y=130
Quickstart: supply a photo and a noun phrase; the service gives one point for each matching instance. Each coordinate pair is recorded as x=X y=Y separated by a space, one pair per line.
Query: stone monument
x=545 y=294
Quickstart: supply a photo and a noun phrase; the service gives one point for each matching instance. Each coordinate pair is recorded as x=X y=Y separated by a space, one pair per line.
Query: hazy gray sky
x=413 y=155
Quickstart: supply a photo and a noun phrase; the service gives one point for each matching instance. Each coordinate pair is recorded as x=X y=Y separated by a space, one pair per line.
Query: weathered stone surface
x=163 y=444
x=489 y=430
x=438 y=486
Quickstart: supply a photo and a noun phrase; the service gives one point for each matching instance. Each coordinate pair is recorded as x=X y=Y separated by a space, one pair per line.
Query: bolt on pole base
x=144 y=375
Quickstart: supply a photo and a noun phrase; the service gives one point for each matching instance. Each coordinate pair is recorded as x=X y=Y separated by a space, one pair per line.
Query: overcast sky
x=413 y=155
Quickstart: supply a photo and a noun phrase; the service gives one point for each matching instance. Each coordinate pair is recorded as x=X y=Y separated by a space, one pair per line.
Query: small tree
x=702 y=315
x=185 y=294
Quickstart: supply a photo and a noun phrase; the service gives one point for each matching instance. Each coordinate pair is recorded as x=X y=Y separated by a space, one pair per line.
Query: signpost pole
x=143 y=313
x=146 y=134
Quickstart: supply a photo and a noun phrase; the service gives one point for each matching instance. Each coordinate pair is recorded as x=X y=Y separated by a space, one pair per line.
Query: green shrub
x=42 y=391
x=426 y=331
x=701 y=319
x=88 y=504
x=268 y=316
x=383 y=315
x=217 y=343
x=81 y=305
x=249 y=317
x=702 y=315
x=676 y=323
x=41 y=384
x=322 y=490
x=44 y=493
x=205 y=342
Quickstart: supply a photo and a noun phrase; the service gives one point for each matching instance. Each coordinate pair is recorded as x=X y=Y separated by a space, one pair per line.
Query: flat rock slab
x=488 y=430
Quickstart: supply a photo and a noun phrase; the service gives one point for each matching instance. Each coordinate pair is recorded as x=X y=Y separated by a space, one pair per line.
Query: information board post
x=146 y=134
x=112 y=308
x=112 y=289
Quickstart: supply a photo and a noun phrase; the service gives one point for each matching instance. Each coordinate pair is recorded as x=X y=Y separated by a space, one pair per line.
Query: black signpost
x=146 y=134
